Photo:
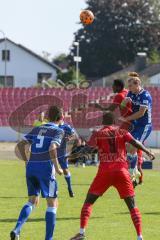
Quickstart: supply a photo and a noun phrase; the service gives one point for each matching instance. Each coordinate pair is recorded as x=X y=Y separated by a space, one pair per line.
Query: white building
x=153 y=73
x=23 y=67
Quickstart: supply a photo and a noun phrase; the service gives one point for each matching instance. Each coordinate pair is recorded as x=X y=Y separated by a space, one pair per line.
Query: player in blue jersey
x=141 y=118
x=69 y=134
x=40 y=170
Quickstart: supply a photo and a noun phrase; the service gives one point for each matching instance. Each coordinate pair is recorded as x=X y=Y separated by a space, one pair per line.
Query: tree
x=120 y=30
x=62 y=61
x=70 y=76
x=154 y=56
x=67 y=73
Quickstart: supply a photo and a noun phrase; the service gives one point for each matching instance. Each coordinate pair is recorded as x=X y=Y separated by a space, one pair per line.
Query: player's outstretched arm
x=22 y=150
x=138 y=114
x=140 y=146
x=54 y=159
x=82 y=152
x=111 y=108
x=72 y=137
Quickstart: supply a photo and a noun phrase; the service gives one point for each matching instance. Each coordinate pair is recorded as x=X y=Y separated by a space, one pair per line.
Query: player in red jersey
x=120 y=94
x=110 y=142
x=125 y=111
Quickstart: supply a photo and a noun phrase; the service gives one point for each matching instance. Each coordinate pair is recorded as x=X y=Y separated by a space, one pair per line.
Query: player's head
x=118 y=85
x=55 y=114
x=134 y=82
x=108 y=118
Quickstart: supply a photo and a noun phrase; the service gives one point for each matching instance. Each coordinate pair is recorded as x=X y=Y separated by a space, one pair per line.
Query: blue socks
x=23 y=217
x=50 y=222
x=132 y=160
x=68 y=180
x=50 y=219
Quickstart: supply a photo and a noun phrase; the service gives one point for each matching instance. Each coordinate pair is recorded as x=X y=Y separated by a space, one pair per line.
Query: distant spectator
x=83 y=158
x=41 y=120
x=77 y=146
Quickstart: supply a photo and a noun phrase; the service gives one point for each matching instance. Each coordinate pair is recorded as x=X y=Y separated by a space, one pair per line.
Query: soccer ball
x=86 y=17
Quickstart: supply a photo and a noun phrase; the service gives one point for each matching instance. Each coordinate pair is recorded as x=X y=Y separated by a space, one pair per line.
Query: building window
x=2 y=83
x=43 y=76
x=6 y=81
x=5 y=55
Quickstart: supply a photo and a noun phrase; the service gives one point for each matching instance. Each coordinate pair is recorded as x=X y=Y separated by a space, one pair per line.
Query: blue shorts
x=141 y=133
x=63 y=162
x=40 y=179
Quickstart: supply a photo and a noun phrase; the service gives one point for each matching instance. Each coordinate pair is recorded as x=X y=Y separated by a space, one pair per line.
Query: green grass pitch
x=110 y=219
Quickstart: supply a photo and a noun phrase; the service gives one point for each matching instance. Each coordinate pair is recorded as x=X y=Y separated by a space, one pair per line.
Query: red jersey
x=111 y=144
x=118 y=99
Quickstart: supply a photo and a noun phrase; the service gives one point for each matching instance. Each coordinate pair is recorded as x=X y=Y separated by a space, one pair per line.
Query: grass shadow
x=81 y=184
x=145 y=213
x=11 y=220
x=122 y=213
x=12 y=197
x=152 y=213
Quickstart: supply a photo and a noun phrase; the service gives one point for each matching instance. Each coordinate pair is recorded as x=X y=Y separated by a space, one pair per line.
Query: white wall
x=155 y=79
x=153 y=140
x=23 y=66
x=9 y=135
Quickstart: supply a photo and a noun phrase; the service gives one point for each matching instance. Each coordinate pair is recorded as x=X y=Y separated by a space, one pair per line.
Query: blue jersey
x=40 y=171
x=143 y=98
x=68 y=132
x=41 y=139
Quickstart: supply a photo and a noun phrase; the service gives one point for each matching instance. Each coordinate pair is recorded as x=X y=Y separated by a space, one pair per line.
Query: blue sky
x=41 y=25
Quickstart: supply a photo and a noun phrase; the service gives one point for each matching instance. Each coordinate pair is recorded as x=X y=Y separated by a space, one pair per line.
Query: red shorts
x=120 y=179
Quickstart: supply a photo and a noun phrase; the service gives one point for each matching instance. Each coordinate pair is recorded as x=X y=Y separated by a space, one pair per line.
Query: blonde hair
x=133 y=76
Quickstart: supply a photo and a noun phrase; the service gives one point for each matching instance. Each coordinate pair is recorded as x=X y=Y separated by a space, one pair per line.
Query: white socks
x=82 y=231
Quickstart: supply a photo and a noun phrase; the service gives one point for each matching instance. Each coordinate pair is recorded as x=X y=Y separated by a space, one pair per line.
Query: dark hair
x=54 y=113
x=108 y=118
x=119 y=83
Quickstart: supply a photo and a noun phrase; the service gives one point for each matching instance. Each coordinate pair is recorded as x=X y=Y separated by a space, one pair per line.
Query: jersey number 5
x=40 y=137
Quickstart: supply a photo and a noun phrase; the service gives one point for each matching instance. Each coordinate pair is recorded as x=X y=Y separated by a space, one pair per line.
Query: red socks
x=85 y=214
x=140 y=162
x=140 y=156
x=135 y=215
x=137 y=220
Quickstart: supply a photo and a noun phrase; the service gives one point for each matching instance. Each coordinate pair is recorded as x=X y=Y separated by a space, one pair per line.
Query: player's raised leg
x=67 y=176
x=69 y=134
x=132 y=158
x=23 y=217
x=140 y=162
x=63 y=162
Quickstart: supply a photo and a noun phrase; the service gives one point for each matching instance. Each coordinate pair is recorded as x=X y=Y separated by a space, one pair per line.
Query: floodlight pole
x=77 y=59
x=77 y=66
